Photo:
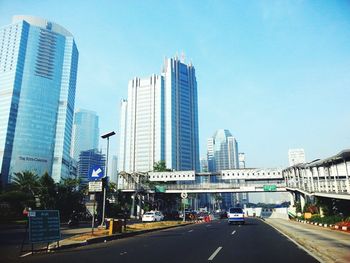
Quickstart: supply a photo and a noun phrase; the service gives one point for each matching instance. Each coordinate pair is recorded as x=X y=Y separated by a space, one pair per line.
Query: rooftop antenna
x=182 y=57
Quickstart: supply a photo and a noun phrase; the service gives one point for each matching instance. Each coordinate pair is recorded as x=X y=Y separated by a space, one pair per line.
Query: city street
x=215 y=241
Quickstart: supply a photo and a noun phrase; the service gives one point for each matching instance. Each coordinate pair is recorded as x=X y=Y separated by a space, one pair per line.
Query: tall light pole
x=104 y=136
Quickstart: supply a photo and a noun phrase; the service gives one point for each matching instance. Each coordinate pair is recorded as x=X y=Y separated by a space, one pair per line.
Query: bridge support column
x=292 y=199
x=302 y=201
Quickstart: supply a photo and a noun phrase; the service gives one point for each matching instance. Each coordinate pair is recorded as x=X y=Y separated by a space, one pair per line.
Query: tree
x=160 y=167
x=47 y=192
x=27 y=182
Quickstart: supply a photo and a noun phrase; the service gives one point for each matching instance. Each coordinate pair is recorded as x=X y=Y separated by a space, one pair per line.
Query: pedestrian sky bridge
x=323 y=178
x=227 y=181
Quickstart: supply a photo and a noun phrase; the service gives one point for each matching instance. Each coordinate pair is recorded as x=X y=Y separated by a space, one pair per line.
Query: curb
x=298 y=243
x=344 y=229
x=95 y=240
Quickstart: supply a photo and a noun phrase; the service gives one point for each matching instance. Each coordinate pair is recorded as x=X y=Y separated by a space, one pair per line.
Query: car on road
x=235 y=215
x=152 y=216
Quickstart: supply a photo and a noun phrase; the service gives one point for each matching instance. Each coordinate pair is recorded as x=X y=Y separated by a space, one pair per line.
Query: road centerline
x=190 y=230
x=214 y=254
x=234 y=231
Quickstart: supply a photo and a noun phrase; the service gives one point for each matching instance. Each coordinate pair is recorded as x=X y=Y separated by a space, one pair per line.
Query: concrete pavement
x=328 y=245
x=206 y=242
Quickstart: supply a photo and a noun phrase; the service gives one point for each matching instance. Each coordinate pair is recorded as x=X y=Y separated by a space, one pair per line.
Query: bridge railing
x=321 y=186
x=209 y=186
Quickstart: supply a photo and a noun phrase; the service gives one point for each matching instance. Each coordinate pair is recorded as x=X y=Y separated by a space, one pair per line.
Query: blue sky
x=275 y=73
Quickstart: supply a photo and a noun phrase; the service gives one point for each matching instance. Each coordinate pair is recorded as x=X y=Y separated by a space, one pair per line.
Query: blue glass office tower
x=38 y=69
x=85 y=132
x=181 y=115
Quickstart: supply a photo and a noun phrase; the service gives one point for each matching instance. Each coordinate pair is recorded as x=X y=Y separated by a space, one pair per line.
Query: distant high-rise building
x=241 y=158
x=87 y=159
x=296 y=156
x=85 y=132
x=159 y=121
x=204 y=165
x=122 y=135
x=113 y=169
x=38 y=71
x=222 y=152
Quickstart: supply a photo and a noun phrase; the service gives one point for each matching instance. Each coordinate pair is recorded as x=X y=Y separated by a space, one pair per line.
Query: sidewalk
x=327 y=245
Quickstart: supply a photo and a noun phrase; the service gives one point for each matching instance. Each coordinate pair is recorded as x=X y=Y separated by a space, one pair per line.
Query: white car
x=152 y=216
x=235 y=215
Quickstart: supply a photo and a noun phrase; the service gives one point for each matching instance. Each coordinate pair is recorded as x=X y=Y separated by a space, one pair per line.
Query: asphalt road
x=207 y=242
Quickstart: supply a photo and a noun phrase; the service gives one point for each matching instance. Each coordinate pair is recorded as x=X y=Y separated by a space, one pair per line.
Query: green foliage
x=27 y=187
x=326 y=219
x=160 y=167
x=27 y=182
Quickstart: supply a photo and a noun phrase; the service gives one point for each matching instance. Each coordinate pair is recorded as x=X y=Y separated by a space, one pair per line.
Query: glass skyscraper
x=222 y=153
x=88 y=159
x=159 y=121
x=38 y=70
x=85 y=132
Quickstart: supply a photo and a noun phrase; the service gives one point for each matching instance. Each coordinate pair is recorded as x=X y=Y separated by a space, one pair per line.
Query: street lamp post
x=104 y=136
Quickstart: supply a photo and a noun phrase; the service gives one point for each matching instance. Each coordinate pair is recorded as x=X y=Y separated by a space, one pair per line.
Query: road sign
x=270 y=188
x=184 y=195
x=95 y=186
x=95 y=173
x=44 y=226
x=160 y=189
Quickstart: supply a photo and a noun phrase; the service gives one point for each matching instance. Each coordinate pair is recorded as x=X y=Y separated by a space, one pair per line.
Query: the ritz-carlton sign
x=32 y=159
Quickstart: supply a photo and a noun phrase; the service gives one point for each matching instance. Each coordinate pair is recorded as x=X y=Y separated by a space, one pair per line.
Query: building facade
x=88 y=159
x=222 y=154
x=296 y=156
x=222 y=151
x=159 y=121
x=38 y=70
x=85 y=134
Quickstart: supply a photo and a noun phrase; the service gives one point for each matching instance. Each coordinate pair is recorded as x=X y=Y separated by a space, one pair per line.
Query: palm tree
x=27 y=182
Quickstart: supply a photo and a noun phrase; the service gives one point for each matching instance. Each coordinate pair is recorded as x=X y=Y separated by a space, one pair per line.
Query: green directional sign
x=160 y=189
x=270 y=188
x=44 y=226
x=185 y=201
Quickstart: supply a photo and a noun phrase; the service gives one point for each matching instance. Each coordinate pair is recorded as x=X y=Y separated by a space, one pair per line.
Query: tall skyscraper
x=222 y=151
x=85 y=132
x=296 y=156
x=38 y=70
x=181 y=115
x=159 y=121
x=113 y=169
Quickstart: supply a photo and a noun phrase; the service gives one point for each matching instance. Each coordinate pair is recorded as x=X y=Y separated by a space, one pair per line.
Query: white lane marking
x=190 y=231
x=239 y=225
x=214 y=254
x=123 y=253
x=26 y=254
x=208 y=225
x=234 y=231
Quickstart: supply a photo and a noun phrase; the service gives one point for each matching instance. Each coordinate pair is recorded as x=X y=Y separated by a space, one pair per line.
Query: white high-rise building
x=144 y=143
x=296 y=156
x=159 y=121
x=222 y=151
x=85 y=132
x=122 y=135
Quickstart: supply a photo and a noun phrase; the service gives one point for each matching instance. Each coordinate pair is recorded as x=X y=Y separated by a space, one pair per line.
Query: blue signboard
x=95 y=173
x=44 y=226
